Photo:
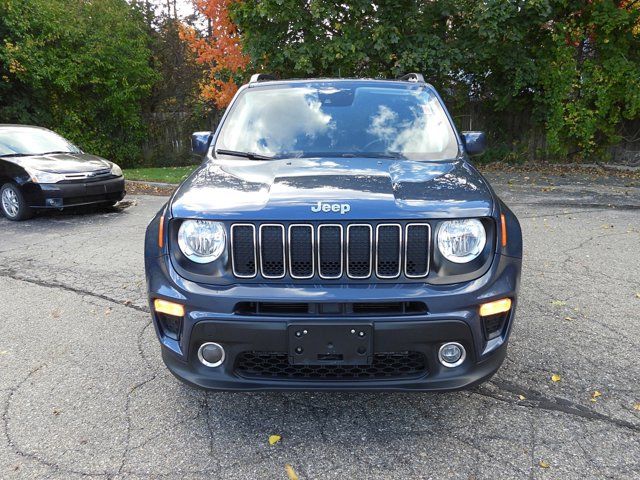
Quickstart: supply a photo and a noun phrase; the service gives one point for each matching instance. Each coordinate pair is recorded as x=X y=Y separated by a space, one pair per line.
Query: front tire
x=12 y=203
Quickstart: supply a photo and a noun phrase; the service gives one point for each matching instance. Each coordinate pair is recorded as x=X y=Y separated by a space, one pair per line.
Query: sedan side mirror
x=200 y=142
x=475 y=143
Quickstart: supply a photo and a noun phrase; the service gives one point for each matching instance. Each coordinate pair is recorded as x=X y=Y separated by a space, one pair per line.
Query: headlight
x=44 y=177
x=202 y=241
x=460 y=241
x=116 y=170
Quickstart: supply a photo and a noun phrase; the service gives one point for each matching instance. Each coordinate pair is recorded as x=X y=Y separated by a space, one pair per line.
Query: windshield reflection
x=341 y=119
x=21 y=140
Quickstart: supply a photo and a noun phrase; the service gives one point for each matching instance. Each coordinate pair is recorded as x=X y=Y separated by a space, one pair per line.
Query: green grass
x=159 y=174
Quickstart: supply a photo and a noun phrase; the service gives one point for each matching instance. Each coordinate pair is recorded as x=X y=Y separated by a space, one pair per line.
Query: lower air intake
x=274 y=366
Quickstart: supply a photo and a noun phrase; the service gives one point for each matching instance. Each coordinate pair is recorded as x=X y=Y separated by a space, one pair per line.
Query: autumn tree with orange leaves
x=220 y=50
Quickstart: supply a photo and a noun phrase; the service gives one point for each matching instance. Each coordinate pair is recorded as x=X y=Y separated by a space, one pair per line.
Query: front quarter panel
x=13 y=172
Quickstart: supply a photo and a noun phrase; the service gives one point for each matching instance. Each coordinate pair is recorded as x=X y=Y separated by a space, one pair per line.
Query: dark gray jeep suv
x=335 y=237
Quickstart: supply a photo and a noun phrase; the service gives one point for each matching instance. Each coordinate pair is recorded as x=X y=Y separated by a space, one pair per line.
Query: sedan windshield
x=338 y=119
x=20 y=141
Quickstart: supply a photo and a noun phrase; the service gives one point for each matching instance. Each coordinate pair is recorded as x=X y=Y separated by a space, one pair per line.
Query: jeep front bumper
x=258 y=351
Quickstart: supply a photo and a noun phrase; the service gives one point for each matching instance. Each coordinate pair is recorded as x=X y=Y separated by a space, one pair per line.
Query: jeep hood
x=373 y=189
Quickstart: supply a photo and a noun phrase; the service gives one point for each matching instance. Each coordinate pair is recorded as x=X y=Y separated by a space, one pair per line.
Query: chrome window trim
x=386 y=277
x=284 y=255
x=255 y=246
x=406 y=244
x=334 y=277
x=370 y=250
x=313 y=266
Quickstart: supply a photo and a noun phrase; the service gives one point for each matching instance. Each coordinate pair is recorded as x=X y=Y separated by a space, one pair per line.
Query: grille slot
x=301 y=251
x=330 y=251
x=305 y=251
x=359 y=250
x=243 y=251
x=388 y=250
x=275 y=365
x=417 y=251
x=272 y=250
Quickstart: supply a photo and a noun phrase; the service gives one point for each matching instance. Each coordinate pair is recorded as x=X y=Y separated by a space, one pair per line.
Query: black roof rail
x=261 y=77
x=412 y=77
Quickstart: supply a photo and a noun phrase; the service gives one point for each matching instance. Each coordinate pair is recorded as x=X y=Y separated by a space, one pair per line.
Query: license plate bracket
x=330 y=344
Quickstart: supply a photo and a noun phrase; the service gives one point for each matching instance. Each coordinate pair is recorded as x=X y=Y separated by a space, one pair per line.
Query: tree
x=568 y=67
x=81 y=68
x=220 y=50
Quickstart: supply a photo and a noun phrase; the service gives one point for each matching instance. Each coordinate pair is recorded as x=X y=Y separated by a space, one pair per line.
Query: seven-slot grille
x=330 y=251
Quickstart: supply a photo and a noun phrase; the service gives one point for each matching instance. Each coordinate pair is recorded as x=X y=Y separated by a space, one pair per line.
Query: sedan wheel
x=13 y=204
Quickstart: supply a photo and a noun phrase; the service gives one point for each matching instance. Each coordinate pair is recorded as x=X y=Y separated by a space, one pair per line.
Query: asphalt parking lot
x=84 y=393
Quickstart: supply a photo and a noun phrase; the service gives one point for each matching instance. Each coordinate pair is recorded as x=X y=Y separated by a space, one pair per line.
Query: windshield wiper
x=249 y=155
x=16 y=155
x=54 y=152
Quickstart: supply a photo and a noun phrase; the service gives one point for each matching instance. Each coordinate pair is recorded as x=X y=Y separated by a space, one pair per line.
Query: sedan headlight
x=44 y=177
x=116 y=170
x=202 y=241
x=460 y=241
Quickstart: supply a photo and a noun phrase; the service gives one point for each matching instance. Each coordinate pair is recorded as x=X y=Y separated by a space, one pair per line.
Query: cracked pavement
x=84 y=393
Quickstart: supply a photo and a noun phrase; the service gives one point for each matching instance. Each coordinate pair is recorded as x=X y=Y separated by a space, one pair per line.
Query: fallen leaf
x=636 y=406
x=638 y=295
x=273 y=439
x=107 y=311
x=522 y=397
x=569 y=319
x=595 y=395
x=55 y=313
x=127 y=303
x=56 y=412
x=4 y=352
x=291 y=473
x=558 y=303
x=544 y=464
x=555 y=377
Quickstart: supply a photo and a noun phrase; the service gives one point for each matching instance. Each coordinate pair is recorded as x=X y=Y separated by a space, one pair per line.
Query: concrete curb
x=604 y=166
x=152 y=184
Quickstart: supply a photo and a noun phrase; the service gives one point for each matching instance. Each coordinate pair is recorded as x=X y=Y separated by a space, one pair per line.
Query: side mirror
x=475 y=143
x=200 y=142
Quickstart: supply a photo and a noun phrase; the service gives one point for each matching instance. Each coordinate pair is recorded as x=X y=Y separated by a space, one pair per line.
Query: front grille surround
x=339 y=271
x=336 y=251
x=292 y=263
x=424 y=272
x=234 y=254
x=379 y=267
x=361 y=264
x=266 y=265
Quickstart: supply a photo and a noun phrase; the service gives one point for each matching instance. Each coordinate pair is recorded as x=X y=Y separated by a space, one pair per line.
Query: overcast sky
x=184 y=7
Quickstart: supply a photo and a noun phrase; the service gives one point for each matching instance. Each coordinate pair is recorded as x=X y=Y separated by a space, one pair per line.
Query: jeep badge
x=331 y=207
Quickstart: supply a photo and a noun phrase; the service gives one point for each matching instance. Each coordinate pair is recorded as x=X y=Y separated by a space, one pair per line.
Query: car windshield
x=18 y=141
x=312 y=119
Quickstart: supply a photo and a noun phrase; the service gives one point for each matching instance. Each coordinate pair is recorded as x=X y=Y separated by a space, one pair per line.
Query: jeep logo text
x=331 y=207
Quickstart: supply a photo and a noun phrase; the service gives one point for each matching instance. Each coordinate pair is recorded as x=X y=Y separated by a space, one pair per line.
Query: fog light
x=211 y=354
x=451 y=354
x=54 y=202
